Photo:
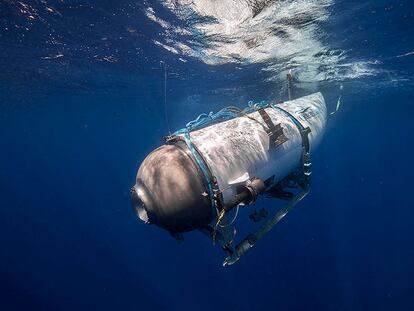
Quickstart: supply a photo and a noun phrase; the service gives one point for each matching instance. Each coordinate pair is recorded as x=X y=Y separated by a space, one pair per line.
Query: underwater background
x=82 y=104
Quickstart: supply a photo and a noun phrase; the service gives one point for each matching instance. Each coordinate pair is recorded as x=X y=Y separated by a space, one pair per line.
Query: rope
x=224 y=114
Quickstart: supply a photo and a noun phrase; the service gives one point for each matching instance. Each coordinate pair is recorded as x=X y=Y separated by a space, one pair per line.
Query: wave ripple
x=280 y=35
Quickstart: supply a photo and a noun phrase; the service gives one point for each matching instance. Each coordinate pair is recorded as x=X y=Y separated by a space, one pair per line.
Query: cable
x=232 y=221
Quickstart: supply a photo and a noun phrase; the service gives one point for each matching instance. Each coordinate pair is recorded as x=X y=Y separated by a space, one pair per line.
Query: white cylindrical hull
x=239 y=149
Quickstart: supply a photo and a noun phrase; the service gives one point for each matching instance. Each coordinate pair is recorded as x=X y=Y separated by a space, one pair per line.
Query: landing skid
x=250 y=240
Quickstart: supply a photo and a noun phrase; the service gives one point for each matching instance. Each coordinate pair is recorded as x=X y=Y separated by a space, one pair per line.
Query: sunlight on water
x=279 y=35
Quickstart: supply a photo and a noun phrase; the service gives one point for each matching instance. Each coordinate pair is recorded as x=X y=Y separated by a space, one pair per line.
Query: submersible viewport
x=224 y=160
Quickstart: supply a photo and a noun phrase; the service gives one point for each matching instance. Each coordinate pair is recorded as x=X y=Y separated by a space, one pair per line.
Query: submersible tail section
x=225 y=160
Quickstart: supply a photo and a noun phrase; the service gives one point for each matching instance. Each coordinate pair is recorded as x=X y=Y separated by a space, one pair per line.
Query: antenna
x=338 y=103
x=289 y=83
x=165 y=98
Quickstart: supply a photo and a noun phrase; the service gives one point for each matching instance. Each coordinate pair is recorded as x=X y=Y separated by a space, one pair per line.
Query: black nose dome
x=170 y=190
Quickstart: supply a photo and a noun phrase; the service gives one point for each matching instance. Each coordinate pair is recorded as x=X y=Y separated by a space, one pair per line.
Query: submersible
x=225 y=160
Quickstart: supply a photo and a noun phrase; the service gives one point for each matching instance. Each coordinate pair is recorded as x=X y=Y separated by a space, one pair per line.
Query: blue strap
x=204 y=169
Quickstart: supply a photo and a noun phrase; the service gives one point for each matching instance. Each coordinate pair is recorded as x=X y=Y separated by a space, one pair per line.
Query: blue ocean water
x=82 y=104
